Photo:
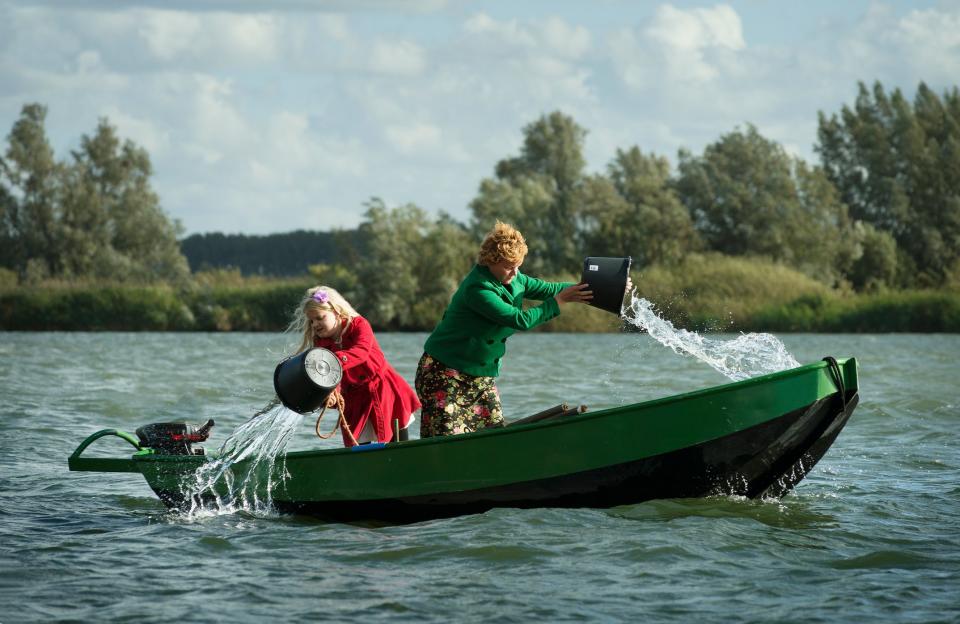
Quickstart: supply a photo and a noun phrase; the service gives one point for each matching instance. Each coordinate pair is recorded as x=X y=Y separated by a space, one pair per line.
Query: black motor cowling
x=174 y=438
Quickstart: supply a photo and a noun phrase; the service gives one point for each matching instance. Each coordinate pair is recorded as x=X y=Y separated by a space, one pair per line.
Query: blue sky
x=272 y=116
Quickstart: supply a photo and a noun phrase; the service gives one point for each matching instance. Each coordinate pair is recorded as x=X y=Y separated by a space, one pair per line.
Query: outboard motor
x=607 y=278
x=173 y=438
x=304 y=381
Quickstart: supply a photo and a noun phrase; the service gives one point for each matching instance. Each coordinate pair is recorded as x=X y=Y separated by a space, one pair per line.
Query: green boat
x=755 y=438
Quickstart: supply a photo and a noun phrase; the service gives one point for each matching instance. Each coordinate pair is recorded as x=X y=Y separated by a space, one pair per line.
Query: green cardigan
x=471 y=337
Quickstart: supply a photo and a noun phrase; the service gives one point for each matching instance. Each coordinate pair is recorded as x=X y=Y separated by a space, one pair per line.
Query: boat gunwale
x=544 y=424
x=588 y=415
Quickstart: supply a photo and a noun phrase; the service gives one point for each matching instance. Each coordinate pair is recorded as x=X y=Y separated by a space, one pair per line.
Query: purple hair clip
x=320 y=296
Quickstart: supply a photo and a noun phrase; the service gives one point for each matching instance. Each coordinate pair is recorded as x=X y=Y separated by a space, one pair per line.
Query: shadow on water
x=779 y=514
x=887 y=560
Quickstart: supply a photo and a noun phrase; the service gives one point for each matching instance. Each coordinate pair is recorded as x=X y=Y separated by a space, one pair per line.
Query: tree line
x=879 y=212
x=282 y=254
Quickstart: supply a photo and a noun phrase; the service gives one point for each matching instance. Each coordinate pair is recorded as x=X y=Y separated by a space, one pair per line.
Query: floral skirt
x=455 y=402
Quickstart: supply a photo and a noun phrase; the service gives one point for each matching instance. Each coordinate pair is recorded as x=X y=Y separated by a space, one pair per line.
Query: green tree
x=550 y=166
x=337 y=276
x=137 y=240
x=897 y=166
x=607 y=223
x=819 y=233
x=29 y=177
x=635 y=212
x=552 y=147
x=447 y=253
x=411 y=267
x=876 y=263
x=282 y=253
x=747 y=196
x=524 y=202
x=94 y=217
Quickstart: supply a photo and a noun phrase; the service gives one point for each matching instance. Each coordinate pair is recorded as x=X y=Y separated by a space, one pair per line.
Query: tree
x=608 y=226
x=897 y=166
x=635 y=212
x=412 y=265
x=876 y=264
x=819 y=232
x=135 y=238
x=737 y=193
x=284 y=253
x=538 y=188
x=447 y=253
x=524 y=202
x=29 y=177
x=747 y=196
x=94 y=217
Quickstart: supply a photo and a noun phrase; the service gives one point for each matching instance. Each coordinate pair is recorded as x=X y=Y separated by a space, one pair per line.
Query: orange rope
x=341 y=421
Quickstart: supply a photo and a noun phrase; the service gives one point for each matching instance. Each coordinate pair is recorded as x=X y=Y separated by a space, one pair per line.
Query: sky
x=264 y=117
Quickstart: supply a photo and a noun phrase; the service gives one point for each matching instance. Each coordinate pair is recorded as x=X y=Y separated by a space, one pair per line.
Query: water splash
x=245 y=471
x=745 y=356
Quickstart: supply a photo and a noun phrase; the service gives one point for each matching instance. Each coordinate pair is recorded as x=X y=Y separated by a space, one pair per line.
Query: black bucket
x=607 y=278
x=304 y=381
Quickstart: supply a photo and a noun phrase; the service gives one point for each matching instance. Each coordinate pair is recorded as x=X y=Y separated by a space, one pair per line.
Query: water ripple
x=873 y=533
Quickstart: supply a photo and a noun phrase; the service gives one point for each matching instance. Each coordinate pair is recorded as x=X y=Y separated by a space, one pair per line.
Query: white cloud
x=142 y=131
x=539 y=60
x=169 y=34
x=262 y=118
x=509 y=32
x=412 y=138
x=570 y=41
x=923 y=44
x=685 y=47
x=215 y=121
x=171 y=38
x=213 y=39
x=697 y=29
x=551 y=35
x=402 y=58
x=294 y=148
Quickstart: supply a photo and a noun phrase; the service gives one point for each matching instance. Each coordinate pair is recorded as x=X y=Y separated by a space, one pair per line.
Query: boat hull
x=742 y=464
x=756 y=438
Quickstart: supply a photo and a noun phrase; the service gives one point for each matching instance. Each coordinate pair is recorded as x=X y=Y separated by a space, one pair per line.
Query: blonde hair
x=503 y=242
x=317 y=298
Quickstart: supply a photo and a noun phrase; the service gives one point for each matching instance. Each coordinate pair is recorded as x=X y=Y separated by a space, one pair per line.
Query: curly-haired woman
x=456 y=376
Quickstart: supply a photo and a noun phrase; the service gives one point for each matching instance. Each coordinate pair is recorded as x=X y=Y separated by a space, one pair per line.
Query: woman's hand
x=577 y=293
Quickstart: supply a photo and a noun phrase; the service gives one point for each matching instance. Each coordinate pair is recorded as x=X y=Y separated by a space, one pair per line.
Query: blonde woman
x=456 y=377
x=374 y=394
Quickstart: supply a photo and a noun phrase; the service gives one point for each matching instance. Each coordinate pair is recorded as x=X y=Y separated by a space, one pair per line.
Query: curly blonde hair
x=503 y=242
x=317 y=298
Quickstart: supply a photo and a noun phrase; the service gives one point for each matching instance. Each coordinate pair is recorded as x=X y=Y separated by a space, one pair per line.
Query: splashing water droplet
x=245 y=471
x=745 y=356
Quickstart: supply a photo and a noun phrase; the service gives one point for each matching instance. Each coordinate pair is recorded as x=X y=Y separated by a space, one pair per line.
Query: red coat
x=371 y=388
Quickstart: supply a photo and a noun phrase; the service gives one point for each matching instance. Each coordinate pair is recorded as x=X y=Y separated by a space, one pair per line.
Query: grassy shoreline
x=267 y=306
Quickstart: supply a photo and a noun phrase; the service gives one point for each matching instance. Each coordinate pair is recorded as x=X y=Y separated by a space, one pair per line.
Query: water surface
x=873 y=533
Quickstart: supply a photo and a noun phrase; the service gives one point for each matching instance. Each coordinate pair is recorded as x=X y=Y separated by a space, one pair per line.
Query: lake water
x=872 y=534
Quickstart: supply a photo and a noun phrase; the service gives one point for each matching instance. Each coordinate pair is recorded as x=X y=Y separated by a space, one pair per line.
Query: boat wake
x=747 y=355
x=243 y=474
